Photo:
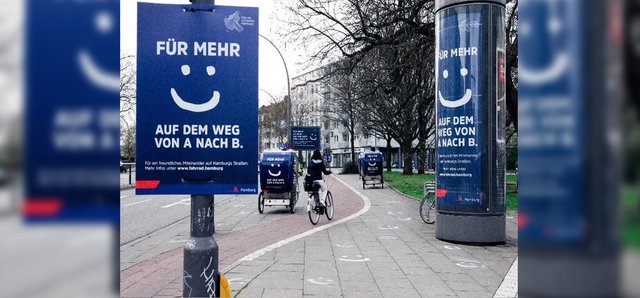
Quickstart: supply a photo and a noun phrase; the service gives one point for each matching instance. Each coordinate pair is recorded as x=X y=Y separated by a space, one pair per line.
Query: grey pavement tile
x=322 y=290
x=249 y=293
x=286 y=267
x=362 y=294
x=467 y=285
x=359 y=286
x=281 y=293
x=387 y=282
x=461 y=277
x=399 y=292
x=473 y=294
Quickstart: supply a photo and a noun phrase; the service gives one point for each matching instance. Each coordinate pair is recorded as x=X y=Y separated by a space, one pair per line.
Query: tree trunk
x=407 y=158
x=388 y=154
x=422 y=157
x=353 y=150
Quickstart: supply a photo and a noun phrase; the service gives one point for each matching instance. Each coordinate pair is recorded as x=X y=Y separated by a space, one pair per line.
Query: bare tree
x=128 y=141
x=127 y=89
x=344 y=106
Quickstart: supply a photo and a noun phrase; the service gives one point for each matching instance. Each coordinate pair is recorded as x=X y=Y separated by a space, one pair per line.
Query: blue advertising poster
x=197 y=89
x=461 y=90
x=72 y=111
x=552 y=201
x=305 y=137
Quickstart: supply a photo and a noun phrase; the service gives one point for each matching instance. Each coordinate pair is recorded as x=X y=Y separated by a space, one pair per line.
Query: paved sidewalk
x=387 y=251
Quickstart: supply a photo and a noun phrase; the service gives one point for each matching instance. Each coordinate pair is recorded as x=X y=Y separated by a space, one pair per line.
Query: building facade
x=311 y=98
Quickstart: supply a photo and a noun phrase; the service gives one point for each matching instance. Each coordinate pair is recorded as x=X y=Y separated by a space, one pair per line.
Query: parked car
x=123 y=168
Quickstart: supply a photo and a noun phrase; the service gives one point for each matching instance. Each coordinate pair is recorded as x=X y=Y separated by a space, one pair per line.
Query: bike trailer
x=278 y=179
x=371 y=169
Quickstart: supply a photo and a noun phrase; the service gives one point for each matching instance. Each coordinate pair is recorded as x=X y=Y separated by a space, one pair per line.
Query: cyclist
x=315 y=170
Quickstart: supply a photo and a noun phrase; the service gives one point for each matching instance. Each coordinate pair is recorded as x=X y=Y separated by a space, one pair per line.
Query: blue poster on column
x=197 y=89
x=553 y=202
x=460 y=95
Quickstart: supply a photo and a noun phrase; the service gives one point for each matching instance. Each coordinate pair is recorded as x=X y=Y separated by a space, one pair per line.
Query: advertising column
x=470 y=145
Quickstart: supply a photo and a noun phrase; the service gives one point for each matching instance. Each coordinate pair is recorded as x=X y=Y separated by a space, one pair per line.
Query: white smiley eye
x=186 y=70
x=464 y=72
x=445 y=74
x=554 y=25
x=104 y=22
x=211 y=70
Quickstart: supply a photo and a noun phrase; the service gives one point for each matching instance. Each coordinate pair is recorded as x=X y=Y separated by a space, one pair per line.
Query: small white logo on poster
x=192 y=107
x=232 y=22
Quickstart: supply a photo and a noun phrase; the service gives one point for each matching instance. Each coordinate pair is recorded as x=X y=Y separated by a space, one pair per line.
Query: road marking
x=320 y=281
x=387 y=227
x=122 y=197
x=135 y=203
x=186 y=202
x=359 y=259
x=344 y=245
x=260 y=252
x=509 y=286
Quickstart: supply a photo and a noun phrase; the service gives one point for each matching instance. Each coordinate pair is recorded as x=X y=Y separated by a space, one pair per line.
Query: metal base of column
x=470 y=228
x=569 y=276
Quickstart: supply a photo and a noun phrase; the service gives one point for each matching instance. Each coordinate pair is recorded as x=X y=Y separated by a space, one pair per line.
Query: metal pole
x=130 y=166
x=201 y=277
x=288 y=89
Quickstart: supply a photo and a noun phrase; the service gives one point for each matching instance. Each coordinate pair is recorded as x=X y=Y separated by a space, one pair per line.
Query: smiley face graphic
x=95 y=74
x=468 y=94
x=276 y=174
x=193 y=107
x=313 y=137
x=542 y=28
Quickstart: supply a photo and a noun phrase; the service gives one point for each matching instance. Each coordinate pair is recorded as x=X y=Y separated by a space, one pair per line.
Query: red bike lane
x=161 y=276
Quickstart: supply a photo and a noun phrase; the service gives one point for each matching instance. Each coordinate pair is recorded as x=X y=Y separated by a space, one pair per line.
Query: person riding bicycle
x=315 y=170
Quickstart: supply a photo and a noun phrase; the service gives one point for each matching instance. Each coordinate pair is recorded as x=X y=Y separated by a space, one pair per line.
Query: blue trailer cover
x=277 y=170
x=371 y=164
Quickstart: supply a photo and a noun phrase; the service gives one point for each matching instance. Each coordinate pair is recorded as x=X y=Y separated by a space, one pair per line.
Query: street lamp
x=288 y=88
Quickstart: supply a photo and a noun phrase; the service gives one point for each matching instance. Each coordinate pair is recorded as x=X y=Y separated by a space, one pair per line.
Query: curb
x=400 y=193
x=262 y=251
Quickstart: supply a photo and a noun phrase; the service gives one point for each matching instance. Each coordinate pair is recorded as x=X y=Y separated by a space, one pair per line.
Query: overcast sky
x=272 y=73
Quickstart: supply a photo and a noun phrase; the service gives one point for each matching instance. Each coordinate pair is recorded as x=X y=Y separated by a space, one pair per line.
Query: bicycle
x=428 y=205
x=314 y=208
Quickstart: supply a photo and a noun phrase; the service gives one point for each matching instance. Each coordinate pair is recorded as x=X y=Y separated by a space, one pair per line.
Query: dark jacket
x=316 y=168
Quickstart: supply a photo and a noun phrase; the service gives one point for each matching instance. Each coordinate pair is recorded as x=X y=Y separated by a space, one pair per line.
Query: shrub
x=350 y=168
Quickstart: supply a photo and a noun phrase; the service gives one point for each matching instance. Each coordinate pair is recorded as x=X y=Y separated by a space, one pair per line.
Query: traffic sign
x=197 y=89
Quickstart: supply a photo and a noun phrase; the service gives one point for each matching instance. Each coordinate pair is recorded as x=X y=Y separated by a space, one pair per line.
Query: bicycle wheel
x=329 y=203
x=260 y=203
x=314 y=216
x=427 y=209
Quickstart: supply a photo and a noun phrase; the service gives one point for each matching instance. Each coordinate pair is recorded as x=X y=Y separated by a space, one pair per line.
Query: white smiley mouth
x=554 y=71
x=372 y=164
x=456 y=103
x=274 y=175
x=96 y=75
x=313 y=138
x=193 y=107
